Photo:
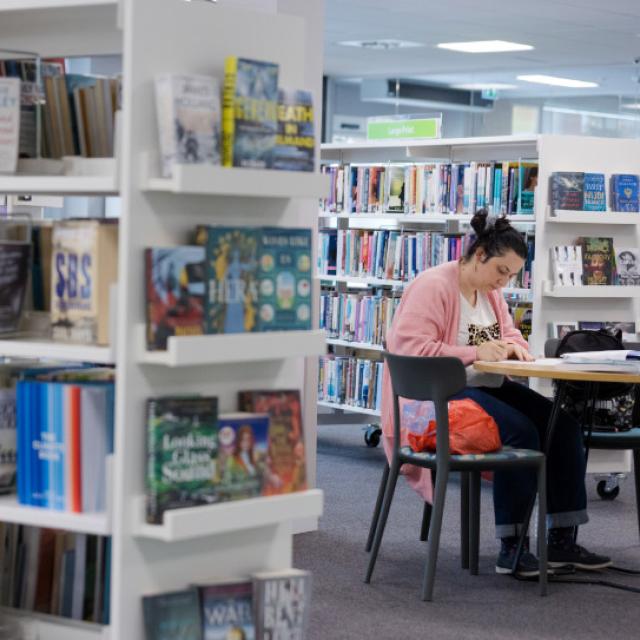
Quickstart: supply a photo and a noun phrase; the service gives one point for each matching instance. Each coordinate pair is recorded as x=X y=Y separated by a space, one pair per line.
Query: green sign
x=403 y=129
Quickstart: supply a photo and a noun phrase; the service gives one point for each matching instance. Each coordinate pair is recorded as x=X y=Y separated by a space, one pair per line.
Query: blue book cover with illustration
x=242 y=455
x=624 y=192
x=231 y=258
x=284 y=279
x=227 y=611
x=594 y=192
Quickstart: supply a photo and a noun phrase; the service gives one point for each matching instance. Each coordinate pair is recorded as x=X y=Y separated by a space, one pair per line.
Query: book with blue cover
x=231 y=259
x=624 y=192
x=295 y=141
x=594 y=192
x=172 y=616
x=567 y=190
x=227 y=611
x=284 y=279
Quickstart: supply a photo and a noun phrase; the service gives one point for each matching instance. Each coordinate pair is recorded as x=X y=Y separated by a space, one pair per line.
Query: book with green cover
x=172 y=616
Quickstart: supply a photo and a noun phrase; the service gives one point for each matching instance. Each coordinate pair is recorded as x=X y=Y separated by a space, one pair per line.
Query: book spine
x=228 y=109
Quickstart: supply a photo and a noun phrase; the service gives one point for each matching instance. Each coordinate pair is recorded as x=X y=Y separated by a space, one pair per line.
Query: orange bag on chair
x=471 y=430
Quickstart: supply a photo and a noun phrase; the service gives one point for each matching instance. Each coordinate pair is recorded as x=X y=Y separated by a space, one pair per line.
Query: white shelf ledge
x=355 y=345
x=234 y=347
x=63 y=185
x=422 y=218
x=12 y=511
x=364 y=281
x=42 y=625
x=52 y=350
x=206 y=179
x=349 y=408
x=565 y=216
x=591 y=291
x=198 y=522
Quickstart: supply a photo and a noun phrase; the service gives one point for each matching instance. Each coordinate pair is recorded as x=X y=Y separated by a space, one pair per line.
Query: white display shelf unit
x=195 y=522
x=349 y=408
x=30 y=348
x=564 y=216
x=47 y=627
x=355 y=345
x=591 y=291
x=237 y=347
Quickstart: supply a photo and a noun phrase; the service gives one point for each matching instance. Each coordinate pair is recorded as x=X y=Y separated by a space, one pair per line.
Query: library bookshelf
x=223 y=540
x=553 y=153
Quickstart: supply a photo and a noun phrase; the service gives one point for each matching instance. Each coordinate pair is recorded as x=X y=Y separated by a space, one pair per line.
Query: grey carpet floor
x=469 y=607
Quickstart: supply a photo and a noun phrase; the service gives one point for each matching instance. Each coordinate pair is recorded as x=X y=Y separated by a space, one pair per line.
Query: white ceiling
x=594 y=40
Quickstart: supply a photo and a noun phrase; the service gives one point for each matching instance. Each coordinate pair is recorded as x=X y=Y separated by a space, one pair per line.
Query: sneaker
x=527 y=567
x=576 y=556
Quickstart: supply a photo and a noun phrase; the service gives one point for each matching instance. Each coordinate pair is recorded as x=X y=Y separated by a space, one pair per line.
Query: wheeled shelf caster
x=606 y=491
x=372 y=435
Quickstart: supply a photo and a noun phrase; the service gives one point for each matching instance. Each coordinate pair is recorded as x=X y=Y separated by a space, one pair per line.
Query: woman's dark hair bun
x=479 y=221
x=502 y=224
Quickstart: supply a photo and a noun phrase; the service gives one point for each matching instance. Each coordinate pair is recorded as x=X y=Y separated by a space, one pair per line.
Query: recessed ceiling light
x=481 y=86
x=383 y=44
x=558 y=82
x=631 y=105
x=485 y=46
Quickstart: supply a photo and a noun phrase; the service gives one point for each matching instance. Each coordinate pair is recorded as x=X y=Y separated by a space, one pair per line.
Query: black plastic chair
x=437 y=379
x=611 y=440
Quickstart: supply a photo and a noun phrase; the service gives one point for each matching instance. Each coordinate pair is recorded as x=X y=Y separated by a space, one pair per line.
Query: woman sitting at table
x=457 y=309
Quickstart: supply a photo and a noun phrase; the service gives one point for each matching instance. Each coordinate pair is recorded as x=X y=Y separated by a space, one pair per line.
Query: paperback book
x=567 y=190
x=567 y=265
x=527 y=182
x=9 y=124
x=627 y=266
x=189 y=120
x=249 y=113
x=172 y=616
x=597 y=261
x=182 y=447
x=286 y=470
x=594 y=192
x=15 y=260
x=175 y=293
x=295 y=141
x=624 y=192
x=227 y=611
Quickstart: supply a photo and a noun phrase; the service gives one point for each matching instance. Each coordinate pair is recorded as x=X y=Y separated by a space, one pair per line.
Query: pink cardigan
x=426 y=324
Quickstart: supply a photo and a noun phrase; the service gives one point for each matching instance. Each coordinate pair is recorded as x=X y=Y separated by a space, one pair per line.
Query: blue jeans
x=522 y=415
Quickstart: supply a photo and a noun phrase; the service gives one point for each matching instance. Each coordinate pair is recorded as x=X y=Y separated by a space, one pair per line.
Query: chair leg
x=386 y=505
x=474 y=521
x=636 y=475
x=376 y=510
x=426 y=512
x=464 y=519
x=542 y=526
x=434 y=533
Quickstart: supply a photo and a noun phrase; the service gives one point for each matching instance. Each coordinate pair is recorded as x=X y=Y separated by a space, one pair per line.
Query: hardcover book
x=597 y=261
x=9 y=124
x=284 y=279
x=227 y=611
x=242 y=455
x=231 y=259
x=624 y=192
x=182 y=447
x=295 y=140
x=15 y=260
x=594 y=192
x=172 y=616
x=189 y=120
x=286 y=470
x=85 y=265
x=567 y=190
x=175 y=293
x=281 y=604
x=527 y=182
x=249 y=113
x=627 y=266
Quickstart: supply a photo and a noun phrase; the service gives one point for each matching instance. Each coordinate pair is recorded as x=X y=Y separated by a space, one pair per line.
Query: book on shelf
x=175 y=293
x=351 y=381
x=597 y=260
x=182 y=449
x=242 y=455
x=172 y=616
x=567 y=265
x=567 y=190
x=527 y=182
x=627 y=266
x=295 y=141
x=85 y=265
x=15 y=260
x=594 y=196
x=10 y=120
x=281 y=601
x=189 y=120
x=286 y=464
x=8 y=433
x=227 y=611
x=562 y=328
x=625 y=192
x=42 y=247
x=249 y=113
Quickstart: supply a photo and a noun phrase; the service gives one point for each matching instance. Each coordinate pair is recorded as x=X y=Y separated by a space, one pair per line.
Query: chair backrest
x=425 y=378
x=550 y=347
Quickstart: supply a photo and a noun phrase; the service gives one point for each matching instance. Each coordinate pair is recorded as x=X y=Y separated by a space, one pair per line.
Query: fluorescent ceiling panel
x=485 y=46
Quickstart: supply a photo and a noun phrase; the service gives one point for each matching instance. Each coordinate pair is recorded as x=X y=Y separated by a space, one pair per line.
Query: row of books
x=259 y=125
x=397 y=255
x=232 y=280
x=55 y=572
x=357 y=317
x=595 y=261
x=197 y=457
x=452 y=188
x=626 y=330
x=268 y=605
x=65 y=426
x=351 y=381
x=579 y=191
